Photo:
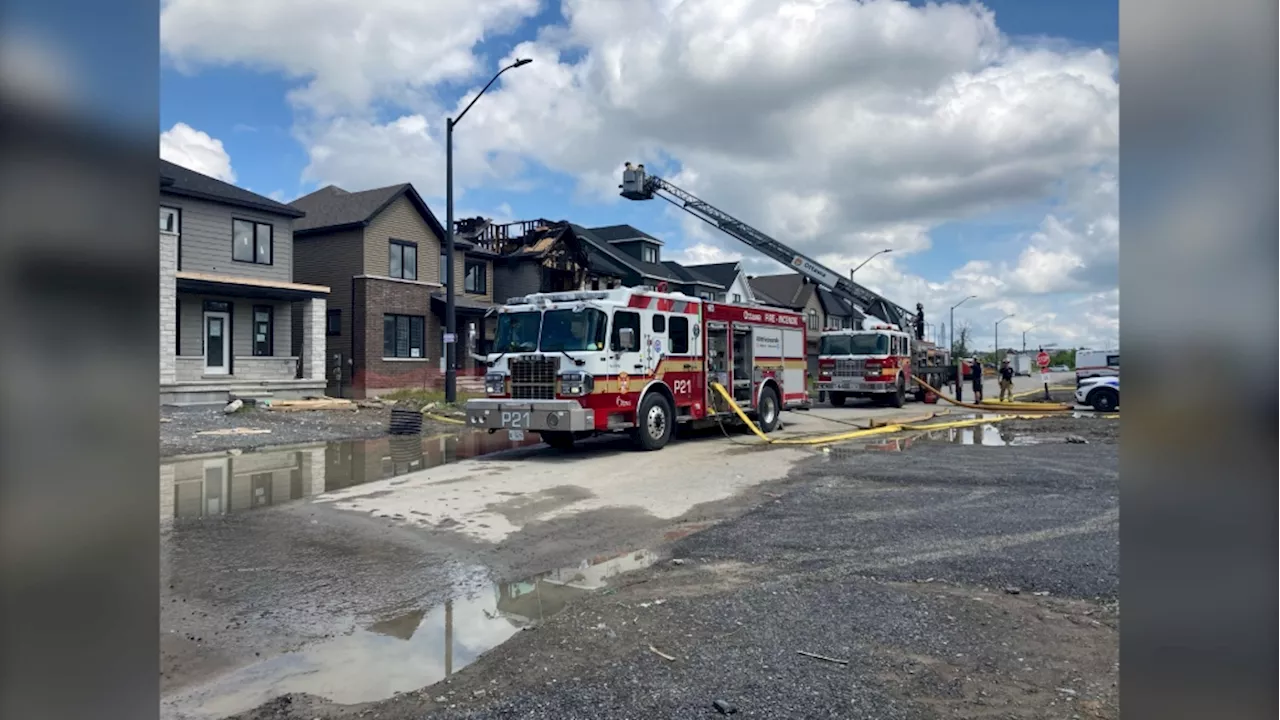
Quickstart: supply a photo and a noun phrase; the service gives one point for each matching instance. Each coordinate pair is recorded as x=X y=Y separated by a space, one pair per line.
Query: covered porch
x=476 y=328
x=225 y=337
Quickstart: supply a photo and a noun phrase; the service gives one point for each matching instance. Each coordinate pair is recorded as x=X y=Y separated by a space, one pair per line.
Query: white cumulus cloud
x=196 y=150
x=839 y=126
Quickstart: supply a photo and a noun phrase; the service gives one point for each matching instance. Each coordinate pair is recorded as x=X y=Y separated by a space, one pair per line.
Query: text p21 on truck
x=569 y=365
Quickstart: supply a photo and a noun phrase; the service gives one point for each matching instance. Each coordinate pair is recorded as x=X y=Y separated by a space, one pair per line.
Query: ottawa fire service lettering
x=569 y=365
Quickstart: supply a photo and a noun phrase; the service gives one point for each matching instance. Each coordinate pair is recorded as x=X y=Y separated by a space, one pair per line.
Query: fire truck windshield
x=857 y=344
x=569 y=330
x=517 y=332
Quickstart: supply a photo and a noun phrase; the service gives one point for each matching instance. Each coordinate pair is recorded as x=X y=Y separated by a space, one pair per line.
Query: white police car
x=1101 y=392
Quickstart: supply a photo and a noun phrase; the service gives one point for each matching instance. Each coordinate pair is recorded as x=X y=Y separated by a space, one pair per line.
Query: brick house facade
x=380 y=251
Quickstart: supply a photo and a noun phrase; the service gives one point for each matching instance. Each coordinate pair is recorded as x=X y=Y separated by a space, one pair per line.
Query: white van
x=1095 y=363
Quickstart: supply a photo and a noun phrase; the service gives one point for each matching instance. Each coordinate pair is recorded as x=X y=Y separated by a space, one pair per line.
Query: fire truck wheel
x=837 y=399
x=768 y=412
x=654 y=423
x=899 y=396
x=558 y=440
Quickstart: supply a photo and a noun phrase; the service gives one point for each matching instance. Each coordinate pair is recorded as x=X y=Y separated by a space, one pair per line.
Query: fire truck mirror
x=627 y=339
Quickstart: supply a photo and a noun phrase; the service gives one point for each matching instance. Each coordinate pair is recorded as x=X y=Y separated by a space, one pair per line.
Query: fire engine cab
x=568 y=365
x=878 y=362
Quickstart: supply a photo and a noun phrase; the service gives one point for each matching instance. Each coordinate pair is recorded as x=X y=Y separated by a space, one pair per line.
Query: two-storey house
x=228 y=298
x=640 y=255
x=382 y=254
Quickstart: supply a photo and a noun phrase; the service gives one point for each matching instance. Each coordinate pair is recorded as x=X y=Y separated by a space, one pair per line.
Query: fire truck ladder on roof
x=638 y=185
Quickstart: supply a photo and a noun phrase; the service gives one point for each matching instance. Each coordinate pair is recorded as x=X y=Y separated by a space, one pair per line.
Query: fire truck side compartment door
x=795 y=360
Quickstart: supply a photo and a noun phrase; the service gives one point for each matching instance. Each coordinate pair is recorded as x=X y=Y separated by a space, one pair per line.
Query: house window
x=263 y=323
x=595 y=283
x=833 y=322
x=251 y=242
x=710 y=296
x=737 y=297
x=813 y=320
x=623 y=319
x=333 y=322
x=404 y=260
x=444 y=268
x=649 y=254
x=476 y=280
x=402 y=336
x=170 y=220
x=659 y=323
x=678 y=332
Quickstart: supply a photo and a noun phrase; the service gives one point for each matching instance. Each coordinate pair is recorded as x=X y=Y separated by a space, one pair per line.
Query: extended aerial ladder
x=639 y=185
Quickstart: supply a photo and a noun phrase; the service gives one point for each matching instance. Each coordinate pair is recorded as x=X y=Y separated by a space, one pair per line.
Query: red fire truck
x=878 y=362
x=571 y=364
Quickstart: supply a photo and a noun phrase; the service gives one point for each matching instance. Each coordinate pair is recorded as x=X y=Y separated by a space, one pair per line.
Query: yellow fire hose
x=443 y=419
x=854 y=434
x=998 y=406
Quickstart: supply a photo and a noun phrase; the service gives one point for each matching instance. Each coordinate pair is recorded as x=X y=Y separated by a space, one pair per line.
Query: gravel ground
x=954 y=581
x=180 y=428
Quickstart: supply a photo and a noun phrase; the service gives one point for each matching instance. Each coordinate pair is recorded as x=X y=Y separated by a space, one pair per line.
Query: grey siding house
x=227 y=296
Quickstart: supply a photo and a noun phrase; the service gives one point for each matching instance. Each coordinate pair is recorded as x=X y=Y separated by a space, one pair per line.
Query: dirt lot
x=181 y=428
x=950 y=580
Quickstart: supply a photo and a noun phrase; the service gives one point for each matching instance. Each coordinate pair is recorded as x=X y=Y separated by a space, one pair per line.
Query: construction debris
x=325 y=404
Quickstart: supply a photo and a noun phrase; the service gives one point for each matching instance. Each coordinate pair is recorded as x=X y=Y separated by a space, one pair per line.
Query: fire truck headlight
x=495 y=383
x=576 y=384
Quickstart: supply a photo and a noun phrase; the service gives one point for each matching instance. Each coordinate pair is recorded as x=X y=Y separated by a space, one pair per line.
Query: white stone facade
x=313 y=338
x=168 y=307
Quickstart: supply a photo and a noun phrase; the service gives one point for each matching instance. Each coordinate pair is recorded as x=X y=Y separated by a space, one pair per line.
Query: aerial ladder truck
x=930 y=362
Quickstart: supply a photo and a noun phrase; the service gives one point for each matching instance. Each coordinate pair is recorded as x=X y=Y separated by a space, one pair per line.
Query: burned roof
x=177 y=180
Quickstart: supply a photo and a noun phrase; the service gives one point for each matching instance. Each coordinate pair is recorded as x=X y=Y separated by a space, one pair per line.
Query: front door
x=217 y=343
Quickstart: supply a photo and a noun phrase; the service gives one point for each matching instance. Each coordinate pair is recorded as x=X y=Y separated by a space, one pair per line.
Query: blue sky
x=248 y=112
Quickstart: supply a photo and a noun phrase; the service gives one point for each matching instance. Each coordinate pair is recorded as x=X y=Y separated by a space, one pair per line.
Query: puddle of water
x=203 y=487
x=991 y=435
x=405 y=651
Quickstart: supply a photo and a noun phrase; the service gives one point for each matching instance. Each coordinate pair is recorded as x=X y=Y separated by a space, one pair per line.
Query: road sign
x=450 y=337
x=1042 y=359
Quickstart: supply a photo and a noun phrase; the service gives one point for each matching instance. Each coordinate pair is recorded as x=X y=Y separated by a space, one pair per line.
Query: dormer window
x=649 y=254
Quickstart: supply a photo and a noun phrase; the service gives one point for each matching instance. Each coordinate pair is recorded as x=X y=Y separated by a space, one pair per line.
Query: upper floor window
x=251 y=242
x=649 y=254
x=170 y=220
x=737 y=297
x=813 y=320
x=476 y=280
x=333 y=322
x=444 y=268
x=404 y=260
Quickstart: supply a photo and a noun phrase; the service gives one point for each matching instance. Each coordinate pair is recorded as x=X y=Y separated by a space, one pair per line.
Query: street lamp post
x=996 y=356
x=864 y=262
x=450 y=313
x=952 y=348
x=1024 y=337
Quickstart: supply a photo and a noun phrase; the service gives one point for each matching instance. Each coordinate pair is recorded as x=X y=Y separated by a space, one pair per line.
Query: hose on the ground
x=443 y=419
x=855 y=434
x=998 y=406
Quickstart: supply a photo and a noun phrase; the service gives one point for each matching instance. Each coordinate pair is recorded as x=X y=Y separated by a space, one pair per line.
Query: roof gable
x=654 y=271
x=623 y=233
x=177 y=180
x=789 y=290
x=721 y=273
x=332 y=208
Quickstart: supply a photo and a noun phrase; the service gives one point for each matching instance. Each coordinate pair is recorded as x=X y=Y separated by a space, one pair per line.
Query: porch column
x=313 y=339
x=168 y=307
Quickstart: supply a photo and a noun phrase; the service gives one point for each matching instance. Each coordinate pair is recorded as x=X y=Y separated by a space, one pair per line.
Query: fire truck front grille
x=534 y=378
x=850 y=367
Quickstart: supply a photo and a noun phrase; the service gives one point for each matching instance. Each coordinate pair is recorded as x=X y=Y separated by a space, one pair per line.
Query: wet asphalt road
x=905 y=565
